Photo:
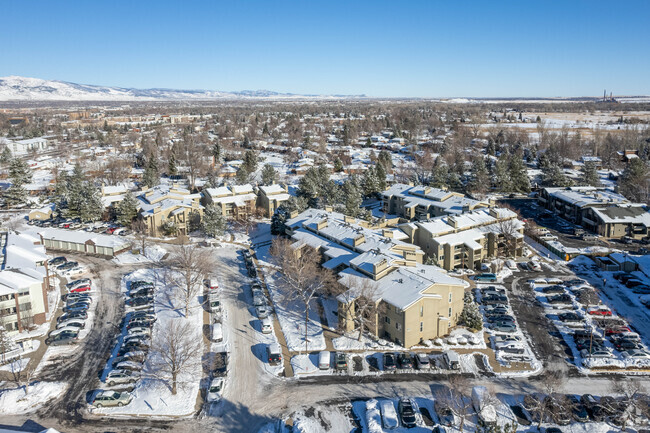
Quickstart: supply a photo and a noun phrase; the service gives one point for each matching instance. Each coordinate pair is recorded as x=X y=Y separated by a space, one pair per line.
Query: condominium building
x=236 y=201
x=270 y=197
x=24 y=282
x=422 y=202
x=168 y=205
x=599 y=210
x=465 y=240
x=413 y=302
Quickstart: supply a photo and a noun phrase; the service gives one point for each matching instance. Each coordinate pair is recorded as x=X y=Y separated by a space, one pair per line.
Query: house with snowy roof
x=413 y=301
x=168 y=205
x=270 y=197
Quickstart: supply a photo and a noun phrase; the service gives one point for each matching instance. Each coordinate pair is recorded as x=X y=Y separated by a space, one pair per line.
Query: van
x=324 y=360
x=452 y=360
x=274 y=353
x=267 y=327
x=216 y=332
x=212 y=283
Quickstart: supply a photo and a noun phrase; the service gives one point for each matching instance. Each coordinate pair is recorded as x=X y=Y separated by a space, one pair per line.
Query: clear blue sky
x=380 y=48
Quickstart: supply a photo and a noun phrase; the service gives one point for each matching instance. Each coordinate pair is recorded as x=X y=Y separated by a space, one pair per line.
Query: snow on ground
x=330 y=307
x=290 y=314
x=15 y=365
x=154 y=253
x=152 y=395
x=350 y=341
x=15 y=401
x=307 y=363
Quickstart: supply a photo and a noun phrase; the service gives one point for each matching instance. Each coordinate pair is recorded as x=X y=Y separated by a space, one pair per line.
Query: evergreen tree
x=554 y=176
x=519 y=175
x=440 y=175
x=502 y=181
x=590 y=174
x=480 y=178
x=269 y=175
x=151 y=176
x=242 y=176
x=282 y=213
x=470 y=316
x=250 y=161
x=91 y=207
x=19 y=172
x=216 y=151
x=633 y=183
x=351 y=198
x=172 y=169
x=369 y=182
x=127 y=210
x=213 y=224
x=380 y=172
x=5 y=156
x=338 y=165
x=194 y=221
x=385 y=159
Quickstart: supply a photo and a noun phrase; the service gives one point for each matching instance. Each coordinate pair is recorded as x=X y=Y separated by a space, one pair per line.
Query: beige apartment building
x=414 y=302
x=465 y=240
x=168 y=204
x=270 y=197
x=236 y=201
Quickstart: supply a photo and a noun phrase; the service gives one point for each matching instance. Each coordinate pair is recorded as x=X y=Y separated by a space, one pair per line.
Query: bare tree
x=538 y=406
x=20 y=374
x=362 y=304
x=178 y=350
x=508 y=229
x=457 y=397
x=140 y=230
x=630 y=391
x=191 y=264
x=301 y=275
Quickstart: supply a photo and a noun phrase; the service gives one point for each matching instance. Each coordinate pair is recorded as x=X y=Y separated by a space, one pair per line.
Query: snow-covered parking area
x=152 y=392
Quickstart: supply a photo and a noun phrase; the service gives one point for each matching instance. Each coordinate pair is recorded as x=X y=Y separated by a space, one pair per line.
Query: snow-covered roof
x=582 y=196
x=624 y=214
x=272 y=189
x=81 y=237
x=446 y=201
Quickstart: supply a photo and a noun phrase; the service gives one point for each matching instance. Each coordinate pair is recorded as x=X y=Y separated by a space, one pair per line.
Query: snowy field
x=152 y=393
x=154 y=253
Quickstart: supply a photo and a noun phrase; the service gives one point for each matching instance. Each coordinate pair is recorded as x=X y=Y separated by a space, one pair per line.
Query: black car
x=82 y=315
x=389 y=361
x=406 y=412
x=553 y=289
x=141 y=292
x=81 y=281
x=404 y=360
x=76 y=296
x=143 y=315
x=57 y=261
x=501 y=318
x=139 y=301
x=439 y=429
x=67 y=265
x=570 y=317
x=139 y=323
x=559 y=299
x=594 y=409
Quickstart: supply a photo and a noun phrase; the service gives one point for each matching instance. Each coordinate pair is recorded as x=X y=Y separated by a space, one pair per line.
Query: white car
x=73 y=329
x=115 y=377
x=511 y=264
x=72 y=323
x=77 y=270
x=259 y=301
x=600 y=353
x=636 y=354
x=473 y=340
x=534 y=266
x=215 y=390
x=263 y=311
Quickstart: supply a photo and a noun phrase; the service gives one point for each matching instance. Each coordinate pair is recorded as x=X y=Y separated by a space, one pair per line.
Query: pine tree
x=338 y=165
x=127 y=210
x=5 y=156
x=269 y=175
x=369 y=182
x=519 y=175
x=250 y=161
x=172 y=169
x=351 y=198
x=502 y=181
x=590 y=174
x=216 y=151
x=242 y=176
x=633 y=183
x=470 y=316
x=19 y=172
x=91 y=207
x=440 y=175
x=380 y=172
x=385 y=159
x=480 y=178
x=151 y=177
x=213 y=224
x=554 y=176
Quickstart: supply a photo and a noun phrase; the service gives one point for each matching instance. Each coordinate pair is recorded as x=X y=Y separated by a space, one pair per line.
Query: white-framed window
x=450 y=297
x=450 y=312
x=421 y=326
x=387 y=319
x=398 y=326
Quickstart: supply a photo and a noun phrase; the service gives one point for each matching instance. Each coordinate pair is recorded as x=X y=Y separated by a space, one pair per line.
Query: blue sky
x=378 y=48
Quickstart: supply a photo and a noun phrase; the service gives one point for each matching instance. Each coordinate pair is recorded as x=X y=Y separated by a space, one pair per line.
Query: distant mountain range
x=16 y=88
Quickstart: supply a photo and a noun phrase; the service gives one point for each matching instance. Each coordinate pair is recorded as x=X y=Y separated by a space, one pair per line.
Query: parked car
x=406 y=410
x=390 y=362
x=341 y=361
x=140 y=301
x=635 y=354
x=560 y=299
x=263 y=311
x=66 y=265
x=404 y=360
x=115 y=377
x=129 y=356
x=596 y=353
x=444 y=412
x=112 y=398
x=130 y=366
x=578 y=410
x=216 y=332
x=422 y=361
x=215 y=389
x=570 y=317
x=76 y=307
x=486 y=278
x=57 y=261
x=80 y=289
x=81 y=315
x=259 y=301
x=77 y=296
x=63 y=338
x=266 y=325
x=600 y=311
x=534 y=266
x=389 y=418
x=79 y=282
x=274 y=353
x=71 y=323
x=324 y=360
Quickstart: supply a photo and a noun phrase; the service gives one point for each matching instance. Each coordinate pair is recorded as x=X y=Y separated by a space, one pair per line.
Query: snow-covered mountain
x=16 y=88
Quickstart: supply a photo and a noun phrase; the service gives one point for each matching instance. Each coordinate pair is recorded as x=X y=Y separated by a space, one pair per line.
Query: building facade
x=236 y=201
x=271 y=197
x=166 y=206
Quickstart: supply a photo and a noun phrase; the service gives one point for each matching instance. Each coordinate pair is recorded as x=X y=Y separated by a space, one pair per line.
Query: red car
x=110 y=230
x=619 y=330
x=80 y=289
x=600 y=312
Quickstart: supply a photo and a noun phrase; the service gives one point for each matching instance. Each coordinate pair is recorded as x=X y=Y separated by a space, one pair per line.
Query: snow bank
x=15 y=401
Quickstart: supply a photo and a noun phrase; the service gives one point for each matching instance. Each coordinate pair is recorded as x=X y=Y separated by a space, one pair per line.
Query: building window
x=387 y=319
x=449 y=297
x=421 y=326
x=421 y=310
x=449 y=312
x=398 y=326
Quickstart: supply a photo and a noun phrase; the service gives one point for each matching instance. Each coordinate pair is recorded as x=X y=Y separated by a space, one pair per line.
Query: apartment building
x=465 y=240
x=419 y=203
x=236 y=201
x=271 y=197
x=414 y=302
x=24 y=282
x=168 y=204
x=599 y=210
